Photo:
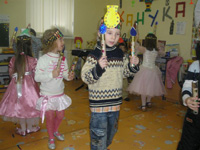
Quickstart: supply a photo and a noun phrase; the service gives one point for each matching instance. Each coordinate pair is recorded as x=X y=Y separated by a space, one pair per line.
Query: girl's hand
x=56 y=72
x=103 y=62
x=134 y=60
x=71 y=75
x=192 y=103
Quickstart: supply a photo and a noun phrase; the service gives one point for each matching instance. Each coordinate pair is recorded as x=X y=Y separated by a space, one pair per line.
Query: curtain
x=45 y=14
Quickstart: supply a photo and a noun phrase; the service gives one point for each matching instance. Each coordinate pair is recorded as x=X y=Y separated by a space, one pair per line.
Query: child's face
x=60 y=44
x=112 y=36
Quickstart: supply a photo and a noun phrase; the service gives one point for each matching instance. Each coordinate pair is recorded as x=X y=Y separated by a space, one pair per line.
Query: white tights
x=145 y=99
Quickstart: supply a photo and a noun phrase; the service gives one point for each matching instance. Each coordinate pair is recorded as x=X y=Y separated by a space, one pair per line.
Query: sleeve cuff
x=184 y=98
x=98 y=71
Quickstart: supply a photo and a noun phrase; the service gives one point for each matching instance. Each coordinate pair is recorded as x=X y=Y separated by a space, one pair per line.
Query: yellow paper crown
x=112 y=18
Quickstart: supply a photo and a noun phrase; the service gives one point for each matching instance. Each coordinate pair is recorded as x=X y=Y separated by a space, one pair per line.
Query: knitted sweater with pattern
x=105 y=85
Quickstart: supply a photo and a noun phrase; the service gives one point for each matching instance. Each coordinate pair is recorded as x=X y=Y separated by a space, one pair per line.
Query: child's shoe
x=127 y=99
x=59 y=136
x=143 y=108
x=51 y=144
x=149 y=105
x=20 y=132
x=34 y=129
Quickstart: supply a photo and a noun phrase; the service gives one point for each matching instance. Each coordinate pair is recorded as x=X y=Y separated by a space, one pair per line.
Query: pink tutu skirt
x=147 y=81
x=54 y=103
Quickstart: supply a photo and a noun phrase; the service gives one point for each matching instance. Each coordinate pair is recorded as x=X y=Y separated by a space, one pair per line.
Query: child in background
x=104 y=76
x=53 y=101
x=35 y=43
x=190 y=138
x=148 y=81
x=19 y=101
x=124 y=48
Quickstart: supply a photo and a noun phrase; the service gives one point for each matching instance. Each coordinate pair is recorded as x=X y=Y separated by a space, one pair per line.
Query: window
x=45 y=14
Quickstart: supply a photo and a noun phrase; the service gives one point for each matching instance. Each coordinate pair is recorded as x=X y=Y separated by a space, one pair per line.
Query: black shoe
x=127 y=99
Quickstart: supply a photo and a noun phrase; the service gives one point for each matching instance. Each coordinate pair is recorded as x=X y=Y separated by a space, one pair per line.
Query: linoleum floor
x=159 y=128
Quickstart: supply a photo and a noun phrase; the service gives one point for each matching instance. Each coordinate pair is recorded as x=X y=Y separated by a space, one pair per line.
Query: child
x=19 y=101
x=124 y=48
x=104 y=76
x=35 y=43
x=53 y=100
x=190 y=138
x=148 y=81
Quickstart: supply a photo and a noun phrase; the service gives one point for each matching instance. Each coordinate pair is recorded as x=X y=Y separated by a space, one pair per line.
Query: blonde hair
x=51 y=44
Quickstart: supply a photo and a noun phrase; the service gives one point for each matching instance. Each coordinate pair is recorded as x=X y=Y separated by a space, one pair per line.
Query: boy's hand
x=103 y=62
x=71 y=75
x=192 y=103
x=134 y=60
x=56 y=72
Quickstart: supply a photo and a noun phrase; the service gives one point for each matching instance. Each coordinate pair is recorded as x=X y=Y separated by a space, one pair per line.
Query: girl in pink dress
x=19 y=101
x=147 y=81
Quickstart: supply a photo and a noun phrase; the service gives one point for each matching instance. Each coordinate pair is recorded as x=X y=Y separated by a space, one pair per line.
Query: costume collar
x=107 y=47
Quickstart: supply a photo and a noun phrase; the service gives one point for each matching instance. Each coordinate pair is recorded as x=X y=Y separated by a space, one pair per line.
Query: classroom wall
x=88 y=13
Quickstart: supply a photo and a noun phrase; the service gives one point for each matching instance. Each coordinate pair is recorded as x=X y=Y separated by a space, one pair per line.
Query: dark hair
x=150 y=42
x=32 y=31
x=23 y=50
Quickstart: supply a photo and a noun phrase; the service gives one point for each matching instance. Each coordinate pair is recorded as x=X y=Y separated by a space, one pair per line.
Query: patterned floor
x=157 y=129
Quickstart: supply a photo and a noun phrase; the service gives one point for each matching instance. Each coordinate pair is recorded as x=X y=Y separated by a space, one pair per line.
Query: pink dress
x=148 y=80
x=19 y=100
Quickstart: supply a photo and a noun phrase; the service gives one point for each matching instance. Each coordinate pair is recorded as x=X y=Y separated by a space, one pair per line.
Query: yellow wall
x=88 y=13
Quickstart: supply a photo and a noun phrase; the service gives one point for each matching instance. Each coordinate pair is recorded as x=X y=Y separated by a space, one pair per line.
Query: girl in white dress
x=147 y=81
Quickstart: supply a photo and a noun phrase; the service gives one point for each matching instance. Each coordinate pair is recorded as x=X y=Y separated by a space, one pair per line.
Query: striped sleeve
x=91 y=71
x=128 y=69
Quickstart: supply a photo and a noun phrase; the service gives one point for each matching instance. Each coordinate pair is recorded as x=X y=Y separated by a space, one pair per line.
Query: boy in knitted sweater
x=104 y=76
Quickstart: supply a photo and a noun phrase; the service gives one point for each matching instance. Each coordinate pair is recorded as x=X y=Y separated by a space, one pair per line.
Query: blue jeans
x=103 y=127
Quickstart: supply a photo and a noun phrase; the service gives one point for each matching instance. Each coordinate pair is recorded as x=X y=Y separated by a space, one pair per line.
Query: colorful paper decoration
x=148 y=5
x=6 y=2
x=121 y=18
x=129 y=20
x=154 y=18
x=78 y=41
x=140 y=20
x=112 y=18
x=102 y=28
x=166 y=2
x=165 y=14
x=120 y=3
x=180 y=11
x=171 y=28
x=133 y=33
x=133 y=2
x=191 y=2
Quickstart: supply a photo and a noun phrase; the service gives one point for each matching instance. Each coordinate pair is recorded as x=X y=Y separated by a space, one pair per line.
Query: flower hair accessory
x=54 y=37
